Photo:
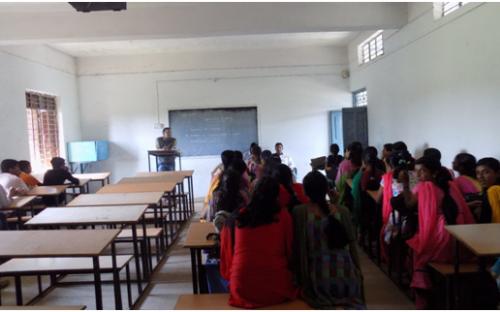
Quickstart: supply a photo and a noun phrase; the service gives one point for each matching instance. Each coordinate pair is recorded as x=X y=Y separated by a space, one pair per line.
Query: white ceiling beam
x=191 y=20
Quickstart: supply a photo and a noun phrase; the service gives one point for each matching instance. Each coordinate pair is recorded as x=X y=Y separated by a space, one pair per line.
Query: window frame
x=371 y=48
x=355 y=102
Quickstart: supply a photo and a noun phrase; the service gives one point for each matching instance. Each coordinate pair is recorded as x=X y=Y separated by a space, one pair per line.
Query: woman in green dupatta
x=325 y=253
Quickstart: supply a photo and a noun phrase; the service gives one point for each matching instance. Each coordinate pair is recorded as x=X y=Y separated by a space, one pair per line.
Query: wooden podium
x=162 y=153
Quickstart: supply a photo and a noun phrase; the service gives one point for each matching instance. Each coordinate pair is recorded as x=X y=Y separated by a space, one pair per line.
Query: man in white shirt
x=285 y=159
x=9 y=178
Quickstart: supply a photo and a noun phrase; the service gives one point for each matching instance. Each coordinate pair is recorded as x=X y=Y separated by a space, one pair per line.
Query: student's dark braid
x=315 y=186
x=442 y=179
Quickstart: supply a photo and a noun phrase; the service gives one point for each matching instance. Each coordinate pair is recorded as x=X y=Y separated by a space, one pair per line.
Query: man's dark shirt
x=58 y=177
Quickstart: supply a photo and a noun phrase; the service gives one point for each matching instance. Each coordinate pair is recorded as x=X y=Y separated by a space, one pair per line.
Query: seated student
x=325 y=253
x=332 y=163
x=285 y=158
x=59 y=173
x=254 y=164
x=291 y=194
x=248 y=154
x=465 y=165
x=230 y=196
x=349 y=166
x=227 y=157
x=439 y=203
x=256 y=250
x=391 y=189
x=386 y=154
x=9 y=178
x=488 y=174
x=26 y=176
x=434 y=153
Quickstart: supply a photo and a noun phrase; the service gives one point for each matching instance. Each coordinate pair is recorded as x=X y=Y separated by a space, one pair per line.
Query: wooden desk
x=44 y=307
x=163 y=153
x=220 y=302
x=165 y=187
x=113 y=199
x=54 y=190
x=94 y=215
x=19 y=202
x=83 y=186
x=102 y=177
x=61 y=243
x=481 y=239
x=196 y=240
x=175 y=176
x=161 y=178
x=99 y=215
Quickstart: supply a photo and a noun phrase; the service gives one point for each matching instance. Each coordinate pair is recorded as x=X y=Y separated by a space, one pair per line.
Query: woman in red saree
x=439 y=203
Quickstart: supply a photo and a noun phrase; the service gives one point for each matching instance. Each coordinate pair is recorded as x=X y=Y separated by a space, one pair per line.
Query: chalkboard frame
x=231 y=108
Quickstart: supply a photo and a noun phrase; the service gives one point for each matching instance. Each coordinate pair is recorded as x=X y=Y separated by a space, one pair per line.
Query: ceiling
x=223 y=43
x=167 y=27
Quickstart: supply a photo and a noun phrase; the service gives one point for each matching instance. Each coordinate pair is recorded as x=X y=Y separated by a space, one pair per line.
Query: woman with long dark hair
x=291 y=194
x=256 y=250
x=326 y=260
x=439 y=203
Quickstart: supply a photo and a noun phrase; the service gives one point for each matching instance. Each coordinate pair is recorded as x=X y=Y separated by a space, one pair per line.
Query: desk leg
x=170 y=218
x=147 y=247
x=164 y=237
x=456 y=287
x=19 y=290
x=97 y=282
x=116 y=279
x=149 y=162
x=136 y=256
x=201 y=273
x=194 y=272
x=191 y=192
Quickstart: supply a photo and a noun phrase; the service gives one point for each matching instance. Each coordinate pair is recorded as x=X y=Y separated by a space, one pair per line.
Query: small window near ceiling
x=371 y=48
x=359 y=98
x=43 y=129
x=442 y=9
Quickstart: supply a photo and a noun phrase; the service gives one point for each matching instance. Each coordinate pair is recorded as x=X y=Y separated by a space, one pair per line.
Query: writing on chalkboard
x=210 y=131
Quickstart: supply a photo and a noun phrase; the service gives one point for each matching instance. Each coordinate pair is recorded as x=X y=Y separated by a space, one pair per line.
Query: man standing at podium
x=166 y=143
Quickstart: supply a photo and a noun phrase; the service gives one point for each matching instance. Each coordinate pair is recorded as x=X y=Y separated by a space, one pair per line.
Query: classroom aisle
x=173 y=278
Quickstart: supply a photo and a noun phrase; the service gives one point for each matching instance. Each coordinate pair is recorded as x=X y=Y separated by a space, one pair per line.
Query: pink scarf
x=432 y=242
x=386 y=212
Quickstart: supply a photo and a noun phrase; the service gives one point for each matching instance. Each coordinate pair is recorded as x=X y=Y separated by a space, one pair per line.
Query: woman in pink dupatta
x=439 y=203
x=465 y=165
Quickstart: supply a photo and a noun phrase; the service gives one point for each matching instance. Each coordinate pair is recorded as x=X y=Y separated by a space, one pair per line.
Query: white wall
x=438 y=82
x=293 y=98
x=42 y=69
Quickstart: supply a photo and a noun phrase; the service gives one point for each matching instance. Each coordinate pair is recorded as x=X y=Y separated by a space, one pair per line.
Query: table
x=113 y=199
x=220 y=302
x=43 y=191
x=97 y=215
x=481 y=239
x=60 y=243
x=166 y=187
x=196 y=240
x=102 y=177
x=19 y=202
x=174 y=175
x=161 y=153
x=83 y=186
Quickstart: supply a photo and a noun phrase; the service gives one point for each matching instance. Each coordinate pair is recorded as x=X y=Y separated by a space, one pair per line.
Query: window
x=371 y=48
x=445 y=8
x=359 y=98
x=43 y=130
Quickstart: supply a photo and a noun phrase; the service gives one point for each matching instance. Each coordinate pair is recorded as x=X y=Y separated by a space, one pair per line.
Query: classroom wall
x=42 y=69
x=437 y=83
x=293 y=91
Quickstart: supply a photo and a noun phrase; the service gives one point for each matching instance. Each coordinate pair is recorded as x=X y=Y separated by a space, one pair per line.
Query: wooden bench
x=53 y=266
x=44 y=307
x=151 y=233
x=220 y=302
x=447 y=271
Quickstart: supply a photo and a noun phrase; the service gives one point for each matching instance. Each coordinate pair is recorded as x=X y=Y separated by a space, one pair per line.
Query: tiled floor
x=173 y=278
